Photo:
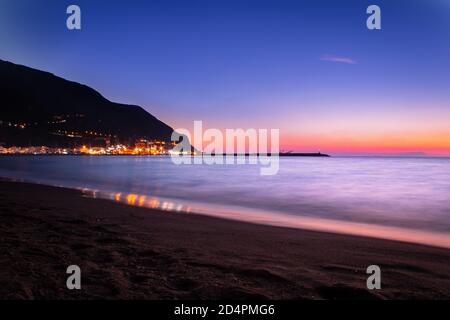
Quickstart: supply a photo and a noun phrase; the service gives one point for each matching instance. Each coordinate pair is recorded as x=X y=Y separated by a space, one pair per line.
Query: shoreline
x=295 y=154
x=266 y=217
x=128 y=252
x=278 y=219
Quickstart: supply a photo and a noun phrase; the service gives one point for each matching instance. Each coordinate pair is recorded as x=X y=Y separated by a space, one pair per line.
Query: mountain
x=39 y=108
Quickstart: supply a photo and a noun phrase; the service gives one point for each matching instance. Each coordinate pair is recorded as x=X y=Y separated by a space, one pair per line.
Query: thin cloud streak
x=338 y=59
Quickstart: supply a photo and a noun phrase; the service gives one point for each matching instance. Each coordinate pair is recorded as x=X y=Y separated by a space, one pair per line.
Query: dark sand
x=135 y=253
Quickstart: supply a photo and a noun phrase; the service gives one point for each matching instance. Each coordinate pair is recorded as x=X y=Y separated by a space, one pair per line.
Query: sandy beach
x=128 y=252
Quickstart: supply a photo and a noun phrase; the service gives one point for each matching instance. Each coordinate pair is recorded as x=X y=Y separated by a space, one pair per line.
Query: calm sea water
x=383 y=197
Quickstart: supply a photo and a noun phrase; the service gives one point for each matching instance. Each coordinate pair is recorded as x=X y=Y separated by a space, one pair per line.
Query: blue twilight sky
x=310 y=68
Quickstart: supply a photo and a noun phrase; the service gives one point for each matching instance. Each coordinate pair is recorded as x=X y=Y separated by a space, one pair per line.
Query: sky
x=309 y=68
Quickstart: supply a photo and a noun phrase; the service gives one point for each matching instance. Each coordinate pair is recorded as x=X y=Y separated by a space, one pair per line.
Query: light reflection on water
x=133 y=199
x=380 y=197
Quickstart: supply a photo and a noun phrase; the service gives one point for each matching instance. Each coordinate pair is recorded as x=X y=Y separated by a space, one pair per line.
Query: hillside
x=39 y=108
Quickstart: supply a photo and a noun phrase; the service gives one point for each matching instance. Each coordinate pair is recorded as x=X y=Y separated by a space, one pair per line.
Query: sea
x=397 y=198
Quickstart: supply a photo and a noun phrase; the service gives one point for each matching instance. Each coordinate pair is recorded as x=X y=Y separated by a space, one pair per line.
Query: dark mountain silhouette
x=39 y=108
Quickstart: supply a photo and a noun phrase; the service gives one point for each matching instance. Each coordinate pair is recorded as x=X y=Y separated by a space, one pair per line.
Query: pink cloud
x=339 y=59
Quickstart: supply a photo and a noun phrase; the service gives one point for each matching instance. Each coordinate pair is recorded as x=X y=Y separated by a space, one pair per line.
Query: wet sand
x=128 y=252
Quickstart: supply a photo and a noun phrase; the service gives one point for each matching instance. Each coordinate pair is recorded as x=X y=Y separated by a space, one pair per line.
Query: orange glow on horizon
x=437 y=143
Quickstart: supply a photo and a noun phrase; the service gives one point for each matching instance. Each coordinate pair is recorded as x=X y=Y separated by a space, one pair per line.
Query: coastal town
x=140 y=147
